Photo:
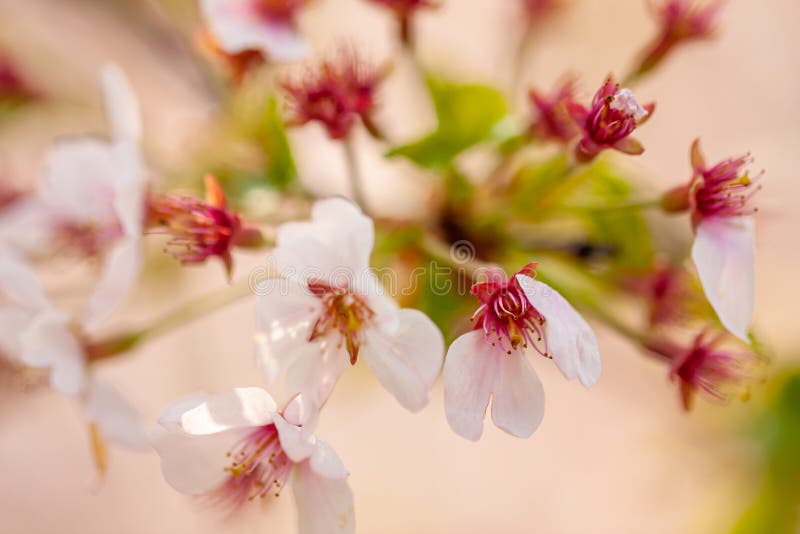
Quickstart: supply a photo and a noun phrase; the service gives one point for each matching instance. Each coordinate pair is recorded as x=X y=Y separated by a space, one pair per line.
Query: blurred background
x=622 y=457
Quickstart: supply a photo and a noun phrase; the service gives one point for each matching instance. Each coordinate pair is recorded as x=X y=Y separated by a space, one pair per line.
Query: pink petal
x=518 y=397
x=122 y=106
x=172 y=414
x=118 y=420
x=314 y=372
x=237 y=408
x=570 y=340
x=27 y=225
x=121 y=267
x=324 y=505
x=130 y=188
x=13 y=320
x=724 y=254
x=49 y=342
x=195 y=464
x=297 y=442
x=469 y=374
x=407 y=360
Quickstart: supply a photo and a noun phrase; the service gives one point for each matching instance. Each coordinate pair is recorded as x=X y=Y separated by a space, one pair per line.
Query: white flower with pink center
x=266 y=26
x=724 y=245
x=517 y=317
x=236 y=447
x=94 y=191
x=330 y=311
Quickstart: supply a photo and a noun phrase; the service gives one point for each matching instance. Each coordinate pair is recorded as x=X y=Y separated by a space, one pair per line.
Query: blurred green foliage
x=467 y=115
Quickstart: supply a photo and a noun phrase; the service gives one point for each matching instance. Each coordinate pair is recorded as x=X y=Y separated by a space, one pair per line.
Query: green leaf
x=467 y=115
x=280 y=167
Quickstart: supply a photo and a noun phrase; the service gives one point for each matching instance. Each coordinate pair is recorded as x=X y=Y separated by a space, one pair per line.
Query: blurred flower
x=537 y=11
x=236 y=447
x=94 y=192
x=36 y=334
x=247 y=31
x=515 y=315
x=679 y=21
x=724 y=245
x=613 y=117
x=404 y=11
x=13 y=86
x=703 y=367
x=552 y=120
x=331 y=310
x=201 y=229
x=335 y=93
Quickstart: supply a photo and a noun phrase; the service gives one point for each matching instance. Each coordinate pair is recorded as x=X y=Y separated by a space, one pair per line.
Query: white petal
x=518 y=397
x=19 y=282
x=26 y=225
x=121 y=268
x=325 y=462
x=570 y=340
x=324 y=505
x=13 y=321
x=284 y=311
x=297 y=442
x=237 y=27
x=237 y=408
x=406 y=361
x=334 y=246
x=195 y=464
x=130 y=187
x=78 y=181
x=314 y=372
x=116 y=417
x=122 y=106
x=295 y=411
x=49 y=342
x=724 y=254
x=469 y=375
x=172 y=414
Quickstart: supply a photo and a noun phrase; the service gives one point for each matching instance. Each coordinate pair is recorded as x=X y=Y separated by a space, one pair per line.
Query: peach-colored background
x=619 y=458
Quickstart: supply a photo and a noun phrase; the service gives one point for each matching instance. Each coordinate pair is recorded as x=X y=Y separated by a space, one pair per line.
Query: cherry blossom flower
x=247 y=31
x=679 y=22
x=236 y=447
x=335 y=93
x=94 y=191
x=201 y=229
x=614 y=115
x=552 y=120
x=517 y=317
x=330 y=310
x=724 y=246
x=36 y=334
x=719 y=373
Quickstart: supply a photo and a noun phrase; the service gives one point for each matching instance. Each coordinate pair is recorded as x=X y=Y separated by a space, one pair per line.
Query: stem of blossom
x=351 y=159
x=172 y=320
x=642 y=205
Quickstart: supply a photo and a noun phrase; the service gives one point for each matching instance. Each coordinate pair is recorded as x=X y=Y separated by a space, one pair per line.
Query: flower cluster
x=322 y=303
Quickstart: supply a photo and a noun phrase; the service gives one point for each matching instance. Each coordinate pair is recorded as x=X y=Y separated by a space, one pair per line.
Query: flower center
x=90 y=238
x=723 y=191
x=197 y=229
x=258 y=467
x=510 y=321
x=343 y=312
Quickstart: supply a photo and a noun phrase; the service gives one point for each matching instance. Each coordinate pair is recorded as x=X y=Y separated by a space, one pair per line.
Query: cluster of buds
x=704 y=366
x=201 y=229
x=608 y=123
x=679 y=21
x=335 y=93
x=404 y=11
